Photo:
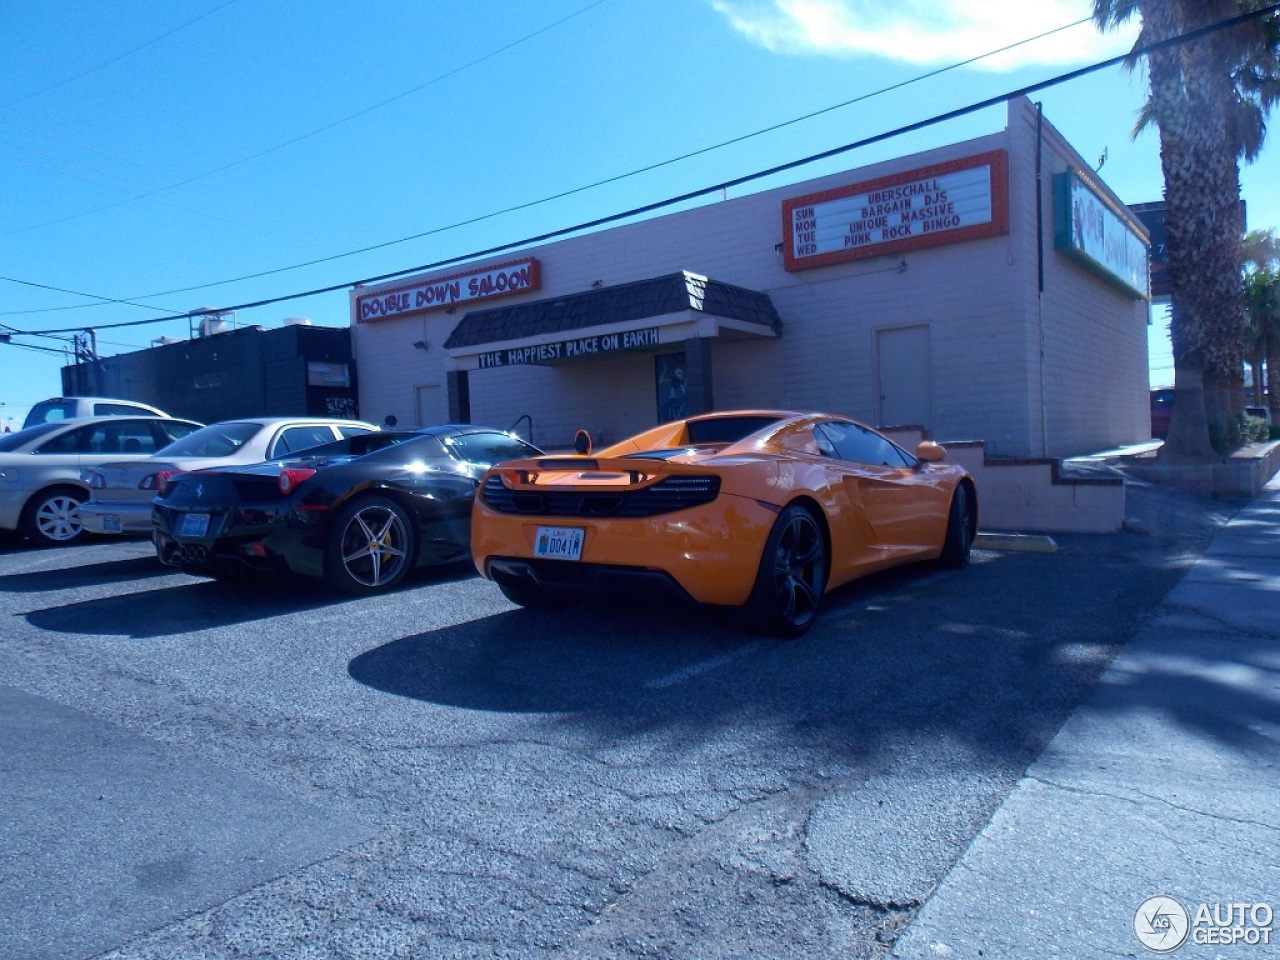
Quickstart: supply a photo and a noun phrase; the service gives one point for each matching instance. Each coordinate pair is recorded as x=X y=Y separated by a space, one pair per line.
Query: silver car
x=73 y=408
x=44 y=469
x=121 y=492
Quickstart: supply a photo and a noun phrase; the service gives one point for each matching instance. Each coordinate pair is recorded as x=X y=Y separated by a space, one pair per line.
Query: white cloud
x=927 y=32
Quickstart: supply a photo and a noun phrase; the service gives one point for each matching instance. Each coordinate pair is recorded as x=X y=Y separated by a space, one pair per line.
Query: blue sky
x=188 y=153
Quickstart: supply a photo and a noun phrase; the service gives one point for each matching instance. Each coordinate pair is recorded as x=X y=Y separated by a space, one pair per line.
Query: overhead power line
x=737 y=181
x=324 y=128
x=116 y=59
x=106 y=301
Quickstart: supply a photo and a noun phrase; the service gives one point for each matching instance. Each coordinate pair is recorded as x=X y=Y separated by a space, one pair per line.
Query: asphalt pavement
x=196 y=771
x=1151 y=823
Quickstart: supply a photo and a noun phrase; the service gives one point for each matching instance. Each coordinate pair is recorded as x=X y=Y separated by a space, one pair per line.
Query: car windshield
x=12 y=441
x=215 y=440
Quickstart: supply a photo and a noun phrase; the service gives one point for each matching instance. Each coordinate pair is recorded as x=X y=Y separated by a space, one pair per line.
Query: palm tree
x=1262 y=298
x=1209 y=98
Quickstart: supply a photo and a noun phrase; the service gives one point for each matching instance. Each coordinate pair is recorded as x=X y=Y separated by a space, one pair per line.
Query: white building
x=990 y=290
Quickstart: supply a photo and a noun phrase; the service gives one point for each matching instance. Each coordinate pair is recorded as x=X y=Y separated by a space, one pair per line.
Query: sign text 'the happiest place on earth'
x=571 y=349
x=440 y=293
x=943 y=203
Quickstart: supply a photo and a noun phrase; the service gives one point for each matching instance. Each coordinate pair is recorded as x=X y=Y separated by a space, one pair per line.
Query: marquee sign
x=488 y=283
x=1092 y=231
x=943 y=203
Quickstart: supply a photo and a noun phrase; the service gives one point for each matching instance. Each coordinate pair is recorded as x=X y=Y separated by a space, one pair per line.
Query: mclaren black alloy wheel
x=792 y=576
x=955 y=548
x=52 y=517
x=371 y=547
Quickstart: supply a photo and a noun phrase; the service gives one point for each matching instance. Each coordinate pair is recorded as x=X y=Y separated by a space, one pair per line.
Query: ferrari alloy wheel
x=792 y=576
x=52 y=518
x=955 y=548
x=371 y=547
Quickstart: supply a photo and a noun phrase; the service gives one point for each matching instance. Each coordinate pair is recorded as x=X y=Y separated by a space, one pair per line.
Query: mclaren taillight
x=289 y=479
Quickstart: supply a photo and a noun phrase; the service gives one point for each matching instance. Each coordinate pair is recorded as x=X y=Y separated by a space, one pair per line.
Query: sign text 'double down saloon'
x=440 y=293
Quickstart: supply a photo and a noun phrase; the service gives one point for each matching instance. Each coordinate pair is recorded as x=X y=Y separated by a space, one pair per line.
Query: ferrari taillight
x=289 y=479
x=158 y=481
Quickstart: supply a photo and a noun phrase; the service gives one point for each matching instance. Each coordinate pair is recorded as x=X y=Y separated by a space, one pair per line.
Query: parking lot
x=200 y=769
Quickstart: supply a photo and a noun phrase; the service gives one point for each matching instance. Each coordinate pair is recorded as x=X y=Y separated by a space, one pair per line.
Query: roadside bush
x=1246 y=429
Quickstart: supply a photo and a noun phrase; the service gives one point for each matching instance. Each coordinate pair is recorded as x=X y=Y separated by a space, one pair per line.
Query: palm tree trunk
x=1202 y=221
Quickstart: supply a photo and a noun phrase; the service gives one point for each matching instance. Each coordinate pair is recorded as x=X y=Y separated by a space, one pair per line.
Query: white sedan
x=44 y=469
x=121 y=492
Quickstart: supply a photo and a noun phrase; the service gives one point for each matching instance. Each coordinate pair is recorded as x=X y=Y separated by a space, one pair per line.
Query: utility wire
x=106 y=63
x=1024 y=91
x=580 y=189
x=322 y=129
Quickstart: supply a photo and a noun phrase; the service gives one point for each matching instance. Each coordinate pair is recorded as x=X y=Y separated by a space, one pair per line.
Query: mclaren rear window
x=726 y=429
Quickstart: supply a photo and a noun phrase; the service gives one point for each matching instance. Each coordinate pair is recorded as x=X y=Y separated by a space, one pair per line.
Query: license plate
x=110 y=523
x=558 y=543
x=193 y=525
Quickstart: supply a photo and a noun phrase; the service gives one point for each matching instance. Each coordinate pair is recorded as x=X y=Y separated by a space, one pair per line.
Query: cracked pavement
x=281 y=773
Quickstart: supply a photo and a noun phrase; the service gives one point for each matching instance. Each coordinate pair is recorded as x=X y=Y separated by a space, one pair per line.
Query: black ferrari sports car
x=360 y=512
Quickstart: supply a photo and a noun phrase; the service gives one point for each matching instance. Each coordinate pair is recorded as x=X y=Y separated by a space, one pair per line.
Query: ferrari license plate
x=194 y=525
x=559 y=543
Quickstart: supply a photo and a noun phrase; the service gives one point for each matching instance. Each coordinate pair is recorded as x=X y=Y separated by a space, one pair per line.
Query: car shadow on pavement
x=88 y=575
x=565 y=660
x=187 y=608
x=591 y=657
x=193 y=603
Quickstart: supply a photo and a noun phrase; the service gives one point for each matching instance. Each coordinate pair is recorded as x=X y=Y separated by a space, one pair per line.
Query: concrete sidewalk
x=1166 y=783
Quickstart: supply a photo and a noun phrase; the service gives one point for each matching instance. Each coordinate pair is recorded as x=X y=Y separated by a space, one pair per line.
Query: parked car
x=44 y=469
x=120 y=492
x=360 y=512
x=75 y=408
x=762 y=511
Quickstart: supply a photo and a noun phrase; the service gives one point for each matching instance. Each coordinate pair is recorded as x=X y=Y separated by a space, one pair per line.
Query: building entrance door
x=904 y=380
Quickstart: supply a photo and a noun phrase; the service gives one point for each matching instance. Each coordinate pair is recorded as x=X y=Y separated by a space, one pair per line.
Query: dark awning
x=665 y=310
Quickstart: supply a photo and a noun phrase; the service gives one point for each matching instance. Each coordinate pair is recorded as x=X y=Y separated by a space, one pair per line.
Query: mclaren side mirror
x=582 y=443
x=930 y=452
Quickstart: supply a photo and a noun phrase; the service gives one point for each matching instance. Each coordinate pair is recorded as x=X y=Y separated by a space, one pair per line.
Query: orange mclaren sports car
x=763 y=511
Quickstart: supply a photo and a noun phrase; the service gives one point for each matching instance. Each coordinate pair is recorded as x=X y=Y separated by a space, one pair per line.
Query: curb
x=1022 y=542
